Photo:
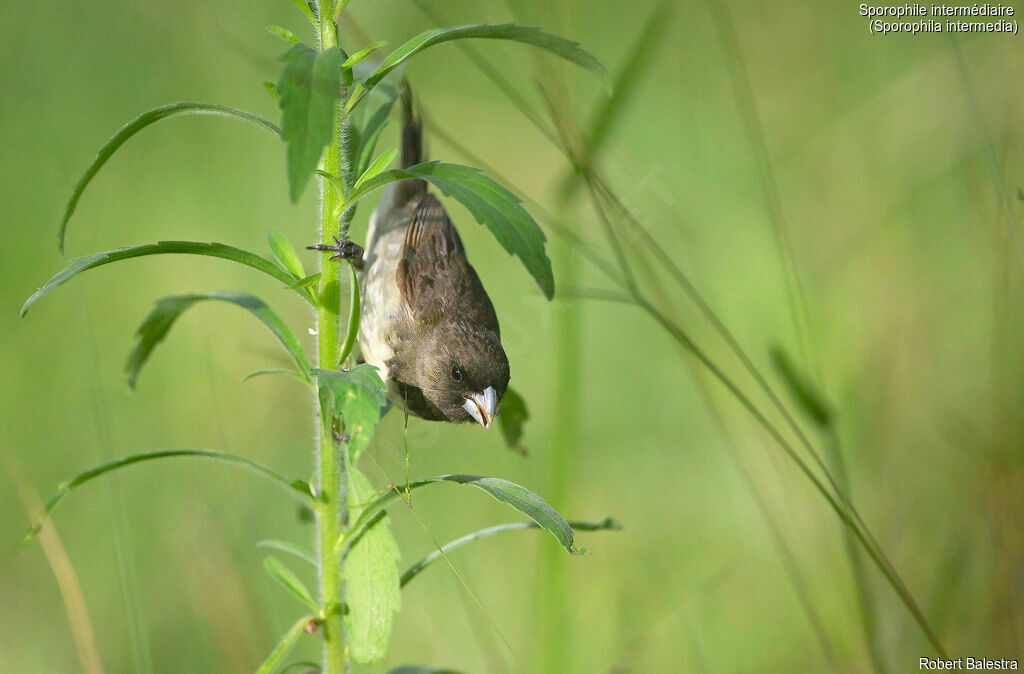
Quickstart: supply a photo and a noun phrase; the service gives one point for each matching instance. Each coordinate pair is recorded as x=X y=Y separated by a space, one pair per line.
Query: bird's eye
x=456 y=373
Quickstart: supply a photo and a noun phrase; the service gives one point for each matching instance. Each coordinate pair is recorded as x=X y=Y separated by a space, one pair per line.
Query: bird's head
x=464 y=372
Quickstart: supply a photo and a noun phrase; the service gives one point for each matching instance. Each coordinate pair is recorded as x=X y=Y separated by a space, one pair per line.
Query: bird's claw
x=343 y=249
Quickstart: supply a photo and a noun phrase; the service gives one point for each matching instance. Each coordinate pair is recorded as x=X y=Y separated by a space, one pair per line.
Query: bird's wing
x=434 y=276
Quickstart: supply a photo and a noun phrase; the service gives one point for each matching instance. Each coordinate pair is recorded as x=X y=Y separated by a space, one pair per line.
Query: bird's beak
x=482 y=406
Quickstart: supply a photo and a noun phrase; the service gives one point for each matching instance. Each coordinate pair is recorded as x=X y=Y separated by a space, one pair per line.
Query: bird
x=427 y=323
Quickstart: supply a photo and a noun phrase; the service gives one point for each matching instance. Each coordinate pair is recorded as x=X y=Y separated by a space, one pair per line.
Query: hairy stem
x=330 y=509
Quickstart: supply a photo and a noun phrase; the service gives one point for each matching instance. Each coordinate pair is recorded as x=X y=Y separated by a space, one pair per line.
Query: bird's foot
x=343 y=249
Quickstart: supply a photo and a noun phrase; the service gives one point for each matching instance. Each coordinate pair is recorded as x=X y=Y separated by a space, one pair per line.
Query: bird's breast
x=384 y=312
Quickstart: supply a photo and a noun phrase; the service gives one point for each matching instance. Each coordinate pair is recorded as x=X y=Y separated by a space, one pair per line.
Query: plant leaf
x=140 y=123
x=168 y=309
x=355 y=316
x=307 y=10
x=306 y=282
x=290 y=548
x=566 y=49
x=285 y=254
x=272 y=90
x=86 y=262
x=310 y=87
x=378 y=166
x=362 y=53
x=357 y=395
x=370 y=132
x=290 y=582
x=261 y=373
x=491 y=205
x=420 y=669
x=370 y=574
x=284 y=646
x=512 y=418
x=605 y=525
x=284 y=34
x=517 y=496
x=93 y=473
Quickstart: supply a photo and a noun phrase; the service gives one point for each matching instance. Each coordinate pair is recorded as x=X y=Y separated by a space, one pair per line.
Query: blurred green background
x=896 y=161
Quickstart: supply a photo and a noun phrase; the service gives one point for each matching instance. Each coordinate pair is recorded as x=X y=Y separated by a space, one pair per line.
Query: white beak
x=482 y=406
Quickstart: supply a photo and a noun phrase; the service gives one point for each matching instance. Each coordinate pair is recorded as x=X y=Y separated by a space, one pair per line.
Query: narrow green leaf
x=362 y=53
x=290 y=548
x=370 y=574
x=93 y=473
x=375 y=168
x=355 y=314
x=272 y=90
x=290 y=582
x=140 y=123
x=606 y=524
x=517 y=496
x=306 y=282
x=370 y=132
x=86 y=262
x=307 y=10
x=306 y=665
x=284 y=34
x=357 y=395
x=512 y=418
x=490 y=204
x=802 y=390
x=285 y=253
x=526 y=502
x=168 y=309
x=261 y=373
x=284 y=646
x=566 y=49
x=310 y=87
x=625 y=82
x=334 y=181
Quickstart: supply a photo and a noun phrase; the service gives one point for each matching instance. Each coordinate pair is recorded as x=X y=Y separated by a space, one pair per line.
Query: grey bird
x=427 y=323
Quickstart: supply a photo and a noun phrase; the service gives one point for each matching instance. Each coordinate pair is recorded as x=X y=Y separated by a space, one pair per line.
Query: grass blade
x=607 y=524
x=133 y=459
x=140 y=123
x=86 y=262
x=284 y=646
x=167 y=310
x=290 y=582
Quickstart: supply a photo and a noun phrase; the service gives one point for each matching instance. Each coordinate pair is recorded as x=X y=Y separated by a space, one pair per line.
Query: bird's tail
x=392 y=212
x=412 y=129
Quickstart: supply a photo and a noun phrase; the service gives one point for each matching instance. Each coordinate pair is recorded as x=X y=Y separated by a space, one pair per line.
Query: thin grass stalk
x=752 y=122
x=866 y=536
x=865 y=597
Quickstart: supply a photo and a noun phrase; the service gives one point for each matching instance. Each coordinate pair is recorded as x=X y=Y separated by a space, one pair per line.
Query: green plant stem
x=330 y=508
